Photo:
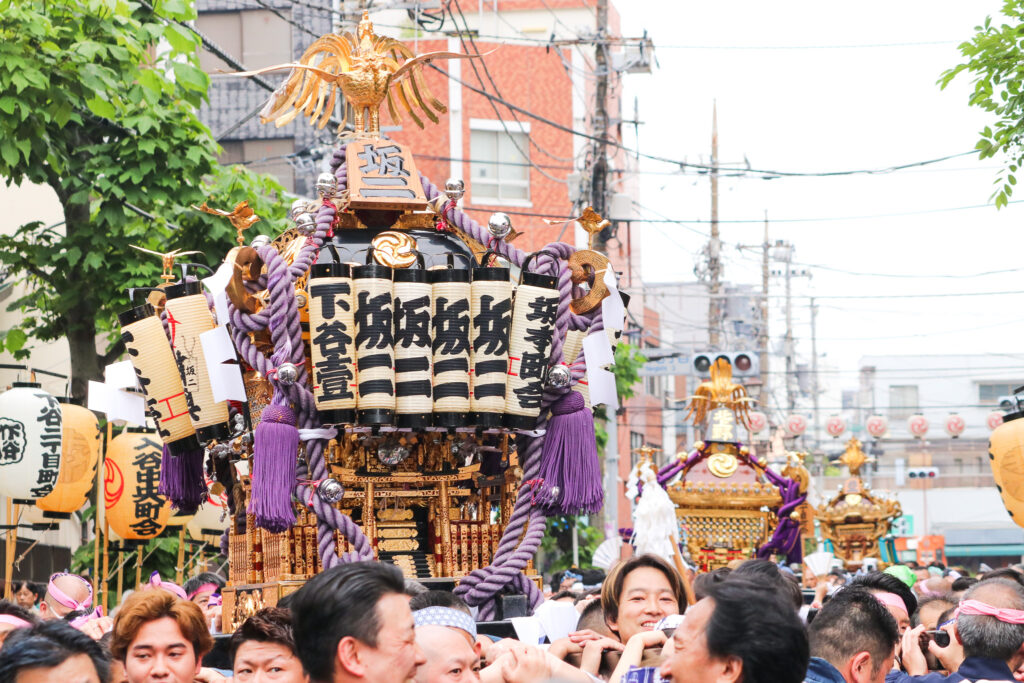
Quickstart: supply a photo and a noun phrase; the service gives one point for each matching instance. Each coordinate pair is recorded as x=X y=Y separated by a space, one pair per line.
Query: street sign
x=667 y=366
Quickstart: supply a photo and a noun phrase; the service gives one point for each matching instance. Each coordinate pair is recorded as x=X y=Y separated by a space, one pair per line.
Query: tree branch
x=115 y=351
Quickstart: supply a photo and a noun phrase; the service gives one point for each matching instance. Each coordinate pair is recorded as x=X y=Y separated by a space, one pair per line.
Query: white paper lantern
x=877 y=426
x=994 y=419
x=30 y=443
x=757 y=422
x=835 y=426
x=918 y=426
x=954 y=425
x=796 y=424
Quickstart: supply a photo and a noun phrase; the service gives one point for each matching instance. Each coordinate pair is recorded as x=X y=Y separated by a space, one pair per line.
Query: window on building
x=500 y=165
x=263 y=156
x=257 y=38
x=636 y=440
x=903 y=401
x=989 y=393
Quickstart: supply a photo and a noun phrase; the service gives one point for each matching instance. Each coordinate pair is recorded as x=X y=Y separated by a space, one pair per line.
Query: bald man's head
x=451 y=657
x=71 y=585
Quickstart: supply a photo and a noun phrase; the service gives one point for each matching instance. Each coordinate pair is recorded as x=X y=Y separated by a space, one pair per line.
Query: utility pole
x=599 y=170
x=765 y=278
x=715 y=245
x=814 y=374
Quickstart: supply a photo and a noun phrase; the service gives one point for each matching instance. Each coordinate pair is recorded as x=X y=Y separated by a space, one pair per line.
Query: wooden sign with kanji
x=382 y=175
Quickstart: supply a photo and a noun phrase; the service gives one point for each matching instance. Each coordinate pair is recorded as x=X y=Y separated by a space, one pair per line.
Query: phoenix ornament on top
x=369 y=69
x=720 y=392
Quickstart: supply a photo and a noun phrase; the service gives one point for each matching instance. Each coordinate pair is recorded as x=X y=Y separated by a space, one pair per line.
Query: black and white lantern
x=414 y=400
x=375 y=353
x=491 y=314
x=332 y=341
x=450 y=322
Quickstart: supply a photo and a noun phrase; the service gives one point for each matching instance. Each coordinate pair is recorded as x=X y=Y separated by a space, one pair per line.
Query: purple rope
x=282 y=318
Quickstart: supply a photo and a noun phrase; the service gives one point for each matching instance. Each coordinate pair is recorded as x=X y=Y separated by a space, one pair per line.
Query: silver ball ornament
x=260 y=241
x=300 y=299
x=326 y=185
x=330 y=491
x=556 y=493
x=559 y=377
x=298 y=206
x=499 y=225
x=455 y=189
x=305 y=223
x=287 y=374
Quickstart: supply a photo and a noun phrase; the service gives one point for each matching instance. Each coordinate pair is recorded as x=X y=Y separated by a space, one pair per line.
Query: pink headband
x=205 y=587
x=14 y=621
x=156 y=582
x=79 y=622
x=891 y=600
x=62 y=598
x=981 y=609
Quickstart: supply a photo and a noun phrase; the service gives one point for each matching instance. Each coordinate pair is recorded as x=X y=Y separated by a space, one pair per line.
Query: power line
x=704 y=167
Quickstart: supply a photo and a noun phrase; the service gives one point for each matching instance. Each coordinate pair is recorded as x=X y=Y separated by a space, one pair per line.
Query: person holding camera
x=987 y=643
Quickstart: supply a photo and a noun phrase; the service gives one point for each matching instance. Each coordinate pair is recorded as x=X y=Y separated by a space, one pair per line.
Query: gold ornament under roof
x=394 y=249
x=720 y=392
x=242 y=217
x=168 y=258
x=368 y=69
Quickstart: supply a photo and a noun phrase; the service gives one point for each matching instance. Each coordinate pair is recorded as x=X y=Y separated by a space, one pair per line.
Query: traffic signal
x=922 y=472
x=744 y=363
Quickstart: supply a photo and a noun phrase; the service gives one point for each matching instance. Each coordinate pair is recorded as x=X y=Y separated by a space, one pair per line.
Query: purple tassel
x=569 y=466
x=181 y=480
x=275 y=451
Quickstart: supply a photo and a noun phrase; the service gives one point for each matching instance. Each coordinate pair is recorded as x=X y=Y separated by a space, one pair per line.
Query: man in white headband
x=989 y=626
x=447 y=637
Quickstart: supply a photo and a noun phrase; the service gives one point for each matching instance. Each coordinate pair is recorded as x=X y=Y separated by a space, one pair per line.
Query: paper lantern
x=877 y=426
x=80 y=453
x=375 y=363
x=31 y=427
x=332 y=344
x=150 y=352
x=1006 y=457
x=994 y=419
x=835 y=426
x=796 y=424
x=211 y=519
x=414 y=398
x=954 y=425
x=533 y=322
x=571 y=350
x=491 y=311
x=188 y=316
x=450 y=320
x=131 y=476
x=757 y=422
x=918 y=425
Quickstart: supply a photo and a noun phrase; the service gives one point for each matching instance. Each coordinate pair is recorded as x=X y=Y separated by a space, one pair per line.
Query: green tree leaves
x=99 y=101
x=995 y=60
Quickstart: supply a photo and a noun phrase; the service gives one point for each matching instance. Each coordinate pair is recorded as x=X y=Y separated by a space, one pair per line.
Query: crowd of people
x=365 y=623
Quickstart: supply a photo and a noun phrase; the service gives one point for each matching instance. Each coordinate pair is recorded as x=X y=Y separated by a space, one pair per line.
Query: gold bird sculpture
x=242 y=217
x=369 y=69
x=720 y=392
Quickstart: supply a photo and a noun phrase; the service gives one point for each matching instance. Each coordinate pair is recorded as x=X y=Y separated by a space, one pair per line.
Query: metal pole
x=814 y=375
x=715 y=244
x=611 y=478
x=599 y=171
x=765 y=273
x=790 y=365
x=575 y=543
